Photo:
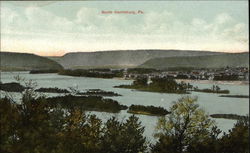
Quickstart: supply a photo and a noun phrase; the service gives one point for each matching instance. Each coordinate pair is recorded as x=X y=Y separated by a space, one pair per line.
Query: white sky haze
x=55 y=28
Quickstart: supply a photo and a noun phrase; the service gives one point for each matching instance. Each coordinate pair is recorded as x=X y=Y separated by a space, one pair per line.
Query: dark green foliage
x=167 y=85
x=52 y=90
x=29 y=125
x=141 y=70
x=226 y=77
x=90 y=103
x=211 y=91
x=124 y=137
x=158 y=84
x=147 y=110
x=237 y=140
x=165 y=144
x=35 y=127
x=81 y=133
x=227 y=116
x=214 y=89
x=141 y=81
x=44 y=71
x=208 y=145
x=91 y=73
x=11 y=87
x=99 y=92
x=100 y=70
x=9 y=117
x=124 y=86
x=182 y=69
x=235 y=96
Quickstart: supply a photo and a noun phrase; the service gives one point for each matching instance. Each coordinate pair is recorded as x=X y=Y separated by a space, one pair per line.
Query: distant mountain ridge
x=209 y=61
x=26 y=61
x=160 y=59
x=121 y=58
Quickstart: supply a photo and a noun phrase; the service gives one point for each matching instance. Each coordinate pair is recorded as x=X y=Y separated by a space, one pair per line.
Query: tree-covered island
x=214 y=89
x=95 y=73
x=235 y=96
x=11 y=87
x=88 y=103
x=98 y=92
x=44 y=71
x=147 y=110
x=167 y=85
x=158 y=84
x=52 y=90
x=228 y=116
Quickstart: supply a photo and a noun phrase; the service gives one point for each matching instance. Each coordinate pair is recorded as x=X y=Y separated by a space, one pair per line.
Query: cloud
x=223 y=18
x=39 y=19
x=91 y=29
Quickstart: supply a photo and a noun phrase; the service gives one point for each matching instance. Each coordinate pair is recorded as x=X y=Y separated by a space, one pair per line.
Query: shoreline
x=215 y=82
x=184 y=80
x=202 y=81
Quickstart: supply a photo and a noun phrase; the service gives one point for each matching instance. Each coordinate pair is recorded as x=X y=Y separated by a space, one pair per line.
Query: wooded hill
x=25 y=61
x=120 y=59
x=208 y=61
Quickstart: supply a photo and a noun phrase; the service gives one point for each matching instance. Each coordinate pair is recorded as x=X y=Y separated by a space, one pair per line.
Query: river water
x=210 y=102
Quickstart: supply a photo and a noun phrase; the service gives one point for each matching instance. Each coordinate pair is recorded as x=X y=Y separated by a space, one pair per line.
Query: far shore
x=200 y=81
x=184 y=80
x=216 y=82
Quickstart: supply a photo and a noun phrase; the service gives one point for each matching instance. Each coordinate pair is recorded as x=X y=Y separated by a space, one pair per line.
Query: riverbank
x=200 y=81
x=214 y=82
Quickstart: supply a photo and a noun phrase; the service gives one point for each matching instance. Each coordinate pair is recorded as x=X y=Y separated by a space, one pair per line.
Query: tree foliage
x=188 y=129
x=124 y=137
x=33 y=126
x=186 y=124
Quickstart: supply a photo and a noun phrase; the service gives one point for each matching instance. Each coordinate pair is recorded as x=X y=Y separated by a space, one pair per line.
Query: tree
x=189 y=86
x=164 y=84
x=213 y=88
x=81 y=133
x=186 y=124
x=113 y=137
x=9 y=118
x=135 y=142
x=237 y=140
x=124 y=137
x=209 y=145
x=141 y=81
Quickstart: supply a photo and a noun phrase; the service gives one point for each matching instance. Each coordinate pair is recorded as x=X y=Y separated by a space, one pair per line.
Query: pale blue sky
x=54 y=28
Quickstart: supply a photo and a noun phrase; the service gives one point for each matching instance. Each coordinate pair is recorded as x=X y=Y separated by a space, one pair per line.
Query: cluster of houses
x=233 y=74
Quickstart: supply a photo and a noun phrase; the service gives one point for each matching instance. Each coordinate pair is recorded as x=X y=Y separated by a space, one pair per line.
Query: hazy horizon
x=56 y=28
x=118 y=50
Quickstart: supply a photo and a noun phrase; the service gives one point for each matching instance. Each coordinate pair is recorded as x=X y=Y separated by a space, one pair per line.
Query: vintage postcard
x=124 y=76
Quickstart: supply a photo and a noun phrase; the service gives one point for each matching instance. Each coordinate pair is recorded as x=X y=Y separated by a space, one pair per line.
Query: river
x=210 y=102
